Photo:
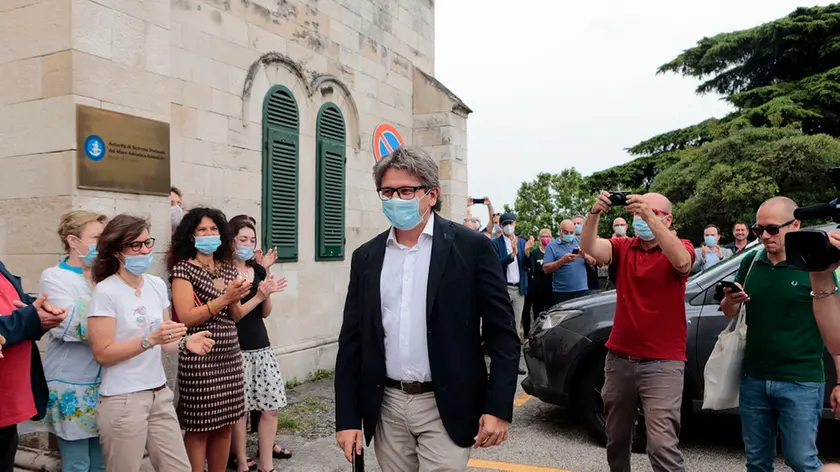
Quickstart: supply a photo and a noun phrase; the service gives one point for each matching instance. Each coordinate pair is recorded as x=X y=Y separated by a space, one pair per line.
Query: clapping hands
x=271 y=285
x=266 y=260
x=49 y=314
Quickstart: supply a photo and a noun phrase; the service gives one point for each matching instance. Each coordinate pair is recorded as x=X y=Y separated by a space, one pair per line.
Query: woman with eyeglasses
x=129 y=326
x=264 y=387
x=206 y=293
x=71 y=371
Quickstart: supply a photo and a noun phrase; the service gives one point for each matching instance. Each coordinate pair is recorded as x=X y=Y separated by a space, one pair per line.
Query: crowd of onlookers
x=543 y=270
x=788 y=313
x=102 y=390
x=425 y=300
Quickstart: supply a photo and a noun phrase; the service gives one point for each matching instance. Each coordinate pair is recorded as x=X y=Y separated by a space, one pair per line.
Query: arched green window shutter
x=280 y=173
x=330 y=185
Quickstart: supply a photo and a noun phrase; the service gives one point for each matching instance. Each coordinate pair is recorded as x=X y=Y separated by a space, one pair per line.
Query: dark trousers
x=541 y=302
x=255 y=421
x=560 y=297
x=526 y=315
x=8 y=447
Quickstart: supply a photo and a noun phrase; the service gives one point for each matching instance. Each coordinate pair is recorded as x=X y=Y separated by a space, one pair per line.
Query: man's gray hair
x=416 y=162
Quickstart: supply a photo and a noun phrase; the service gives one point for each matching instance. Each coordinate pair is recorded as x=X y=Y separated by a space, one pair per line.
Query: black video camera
x=810 y=249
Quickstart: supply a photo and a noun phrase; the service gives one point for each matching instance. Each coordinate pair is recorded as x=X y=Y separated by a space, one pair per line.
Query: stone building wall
x=204 y=67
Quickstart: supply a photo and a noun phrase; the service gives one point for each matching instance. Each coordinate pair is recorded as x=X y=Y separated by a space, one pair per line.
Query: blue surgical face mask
x=578 y=229
x=568 y=238
x=642 y=229
x=208 y=244
x=403 y=214
x=244 y=253
x=88 y=258
x=710 y=241
x=138 y=265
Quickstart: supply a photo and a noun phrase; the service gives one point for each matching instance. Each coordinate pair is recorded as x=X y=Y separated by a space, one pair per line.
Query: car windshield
x=720 y=270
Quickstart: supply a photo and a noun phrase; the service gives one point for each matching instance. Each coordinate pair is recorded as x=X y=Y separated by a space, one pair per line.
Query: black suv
x=566 y=350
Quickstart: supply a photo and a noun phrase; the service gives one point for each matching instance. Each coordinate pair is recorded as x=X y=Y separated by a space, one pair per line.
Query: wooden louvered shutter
x=330 y=185
x=280 y=174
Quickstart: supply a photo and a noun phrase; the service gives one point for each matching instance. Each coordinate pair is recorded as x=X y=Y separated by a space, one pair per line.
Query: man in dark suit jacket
x=20 y=328
x=410 y=367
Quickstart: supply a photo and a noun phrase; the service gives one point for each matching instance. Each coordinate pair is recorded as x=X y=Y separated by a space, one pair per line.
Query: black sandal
x=283 y=453
x=233 y=464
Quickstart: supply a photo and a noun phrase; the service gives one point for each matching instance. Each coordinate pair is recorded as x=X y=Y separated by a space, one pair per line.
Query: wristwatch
x=182 y=344
x=145 y=343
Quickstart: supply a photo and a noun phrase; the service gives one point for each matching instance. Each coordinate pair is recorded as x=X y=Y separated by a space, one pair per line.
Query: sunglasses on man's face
x=772 y=230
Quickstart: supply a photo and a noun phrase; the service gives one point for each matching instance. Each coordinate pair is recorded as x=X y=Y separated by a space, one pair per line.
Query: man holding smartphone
x=646 y=358
x=564 y=260
x=783 y=377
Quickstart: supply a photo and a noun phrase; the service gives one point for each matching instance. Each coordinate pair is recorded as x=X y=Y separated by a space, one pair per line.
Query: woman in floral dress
x=71 y=371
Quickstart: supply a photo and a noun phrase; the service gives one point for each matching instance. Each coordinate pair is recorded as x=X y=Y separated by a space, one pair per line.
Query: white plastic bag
x=723 y=369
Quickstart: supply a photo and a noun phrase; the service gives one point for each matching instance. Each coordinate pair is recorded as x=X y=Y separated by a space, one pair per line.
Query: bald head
x=776 y=212
x=658 y=201
x=567 y=226
x=780 y=206
x=619 y=222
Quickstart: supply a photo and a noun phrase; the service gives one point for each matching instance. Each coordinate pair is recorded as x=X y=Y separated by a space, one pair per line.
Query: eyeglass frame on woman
x=149 y=243
x=772 y=230
x=398 y=191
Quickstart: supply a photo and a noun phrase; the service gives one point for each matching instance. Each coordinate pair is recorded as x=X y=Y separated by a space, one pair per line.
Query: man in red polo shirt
x=646 y=359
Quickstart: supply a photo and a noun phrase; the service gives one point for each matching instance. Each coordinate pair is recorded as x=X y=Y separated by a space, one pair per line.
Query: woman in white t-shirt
x=129 y=324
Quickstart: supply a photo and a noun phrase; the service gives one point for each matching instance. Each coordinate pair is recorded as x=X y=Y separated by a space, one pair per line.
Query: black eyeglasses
x=772 y=230
x=136 y=245
x=404 y=193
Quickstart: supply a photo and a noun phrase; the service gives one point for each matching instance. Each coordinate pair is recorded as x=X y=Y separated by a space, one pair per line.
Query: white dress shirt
x=403 y=284
x=512 y=273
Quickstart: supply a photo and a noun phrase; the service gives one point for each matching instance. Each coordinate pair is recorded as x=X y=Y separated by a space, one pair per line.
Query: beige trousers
x=410 y=436
x=132 y=423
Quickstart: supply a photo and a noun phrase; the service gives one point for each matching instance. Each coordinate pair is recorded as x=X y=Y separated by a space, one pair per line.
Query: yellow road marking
x=521 y=399
x=505 y=466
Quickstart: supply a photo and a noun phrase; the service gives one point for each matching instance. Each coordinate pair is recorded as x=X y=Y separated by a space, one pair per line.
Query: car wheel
x=592 y=408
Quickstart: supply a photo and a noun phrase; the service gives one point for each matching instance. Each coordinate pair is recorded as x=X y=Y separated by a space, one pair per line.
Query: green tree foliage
x=783 y=78
x=726 y=180
x=805 y=43
x=549 y=199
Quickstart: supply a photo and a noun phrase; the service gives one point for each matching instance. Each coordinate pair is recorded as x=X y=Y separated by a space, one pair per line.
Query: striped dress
x=212 y=386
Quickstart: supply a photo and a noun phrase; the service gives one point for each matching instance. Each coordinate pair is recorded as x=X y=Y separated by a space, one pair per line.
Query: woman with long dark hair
x=206 y=294
x=264 y=387
x=129 y=325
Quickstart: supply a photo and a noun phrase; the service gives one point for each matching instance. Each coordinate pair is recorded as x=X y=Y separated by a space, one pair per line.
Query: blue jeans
x=83 y=455
x=794 y=408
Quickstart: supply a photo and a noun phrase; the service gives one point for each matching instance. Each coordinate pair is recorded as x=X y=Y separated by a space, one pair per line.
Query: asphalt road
x=545 y=439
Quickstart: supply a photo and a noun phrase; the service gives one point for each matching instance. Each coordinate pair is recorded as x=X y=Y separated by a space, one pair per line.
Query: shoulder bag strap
x=742 y=312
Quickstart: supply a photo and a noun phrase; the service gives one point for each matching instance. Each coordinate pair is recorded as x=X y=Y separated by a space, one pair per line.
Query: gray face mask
x=497 y=229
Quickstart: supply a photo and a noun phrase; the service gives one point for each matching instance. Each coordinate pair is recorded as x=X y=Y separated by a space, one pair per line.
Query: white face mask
x=508 y=229
x=177 y=214
x=620 y=230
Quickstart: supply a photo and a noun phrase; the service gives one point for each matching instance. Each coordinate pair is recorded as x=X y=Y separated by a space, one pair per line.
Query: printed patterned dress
x=71 y=371
x=211 y=387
